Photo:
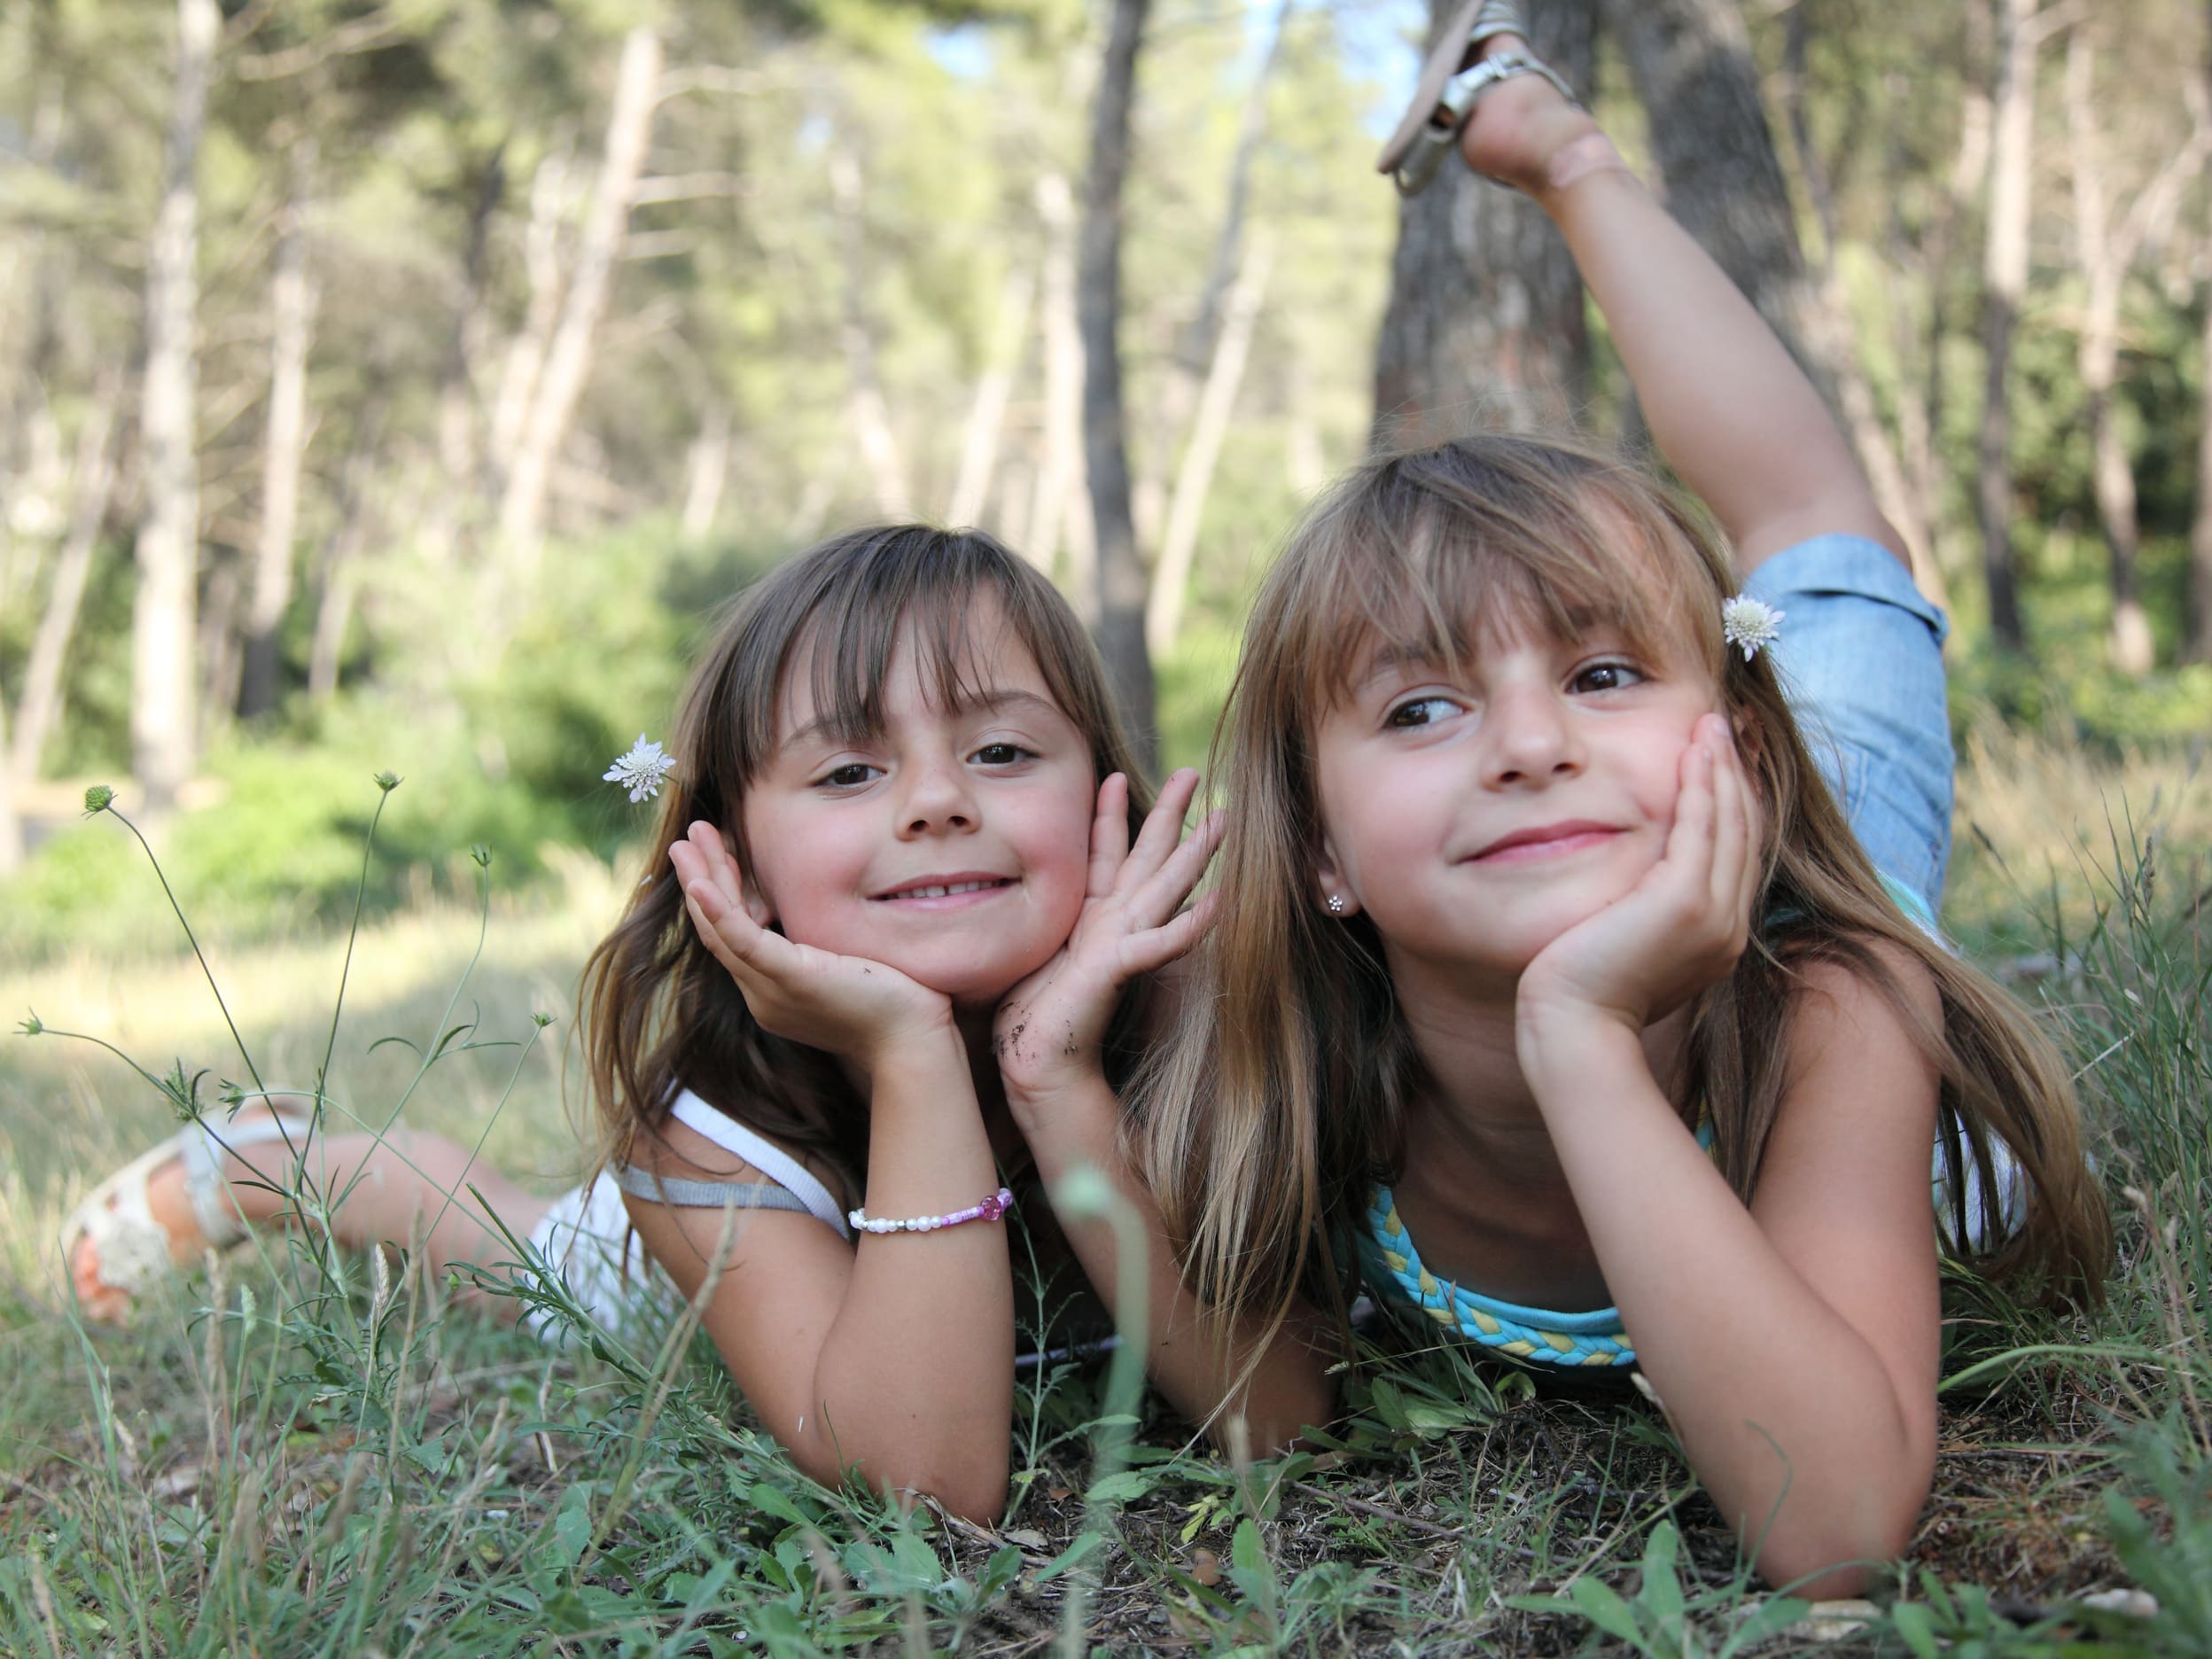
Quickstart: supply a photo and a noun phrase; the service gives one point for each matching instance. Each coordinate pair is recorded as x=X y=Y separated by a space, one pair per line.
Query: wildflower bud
x=386 y=781
x=482 y=854
x=31 y=1027
x=99 y=798
x=541 y=1020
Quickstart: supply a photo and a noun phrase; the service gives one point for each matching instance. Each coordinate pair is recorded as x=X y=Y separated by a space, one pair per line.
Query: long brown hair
x=1284 y=1093
x=658 y=1013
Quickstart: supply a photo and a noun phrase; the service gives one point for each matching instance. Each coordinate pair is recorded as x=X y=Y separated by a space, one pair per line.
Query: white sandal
x=131 y=1248
x=1447 y=93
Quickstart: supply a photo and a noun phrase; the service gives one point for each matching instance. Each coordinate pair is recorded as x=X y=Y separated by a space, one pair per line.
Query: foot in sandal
x=1485 y=94
x=166 y=1207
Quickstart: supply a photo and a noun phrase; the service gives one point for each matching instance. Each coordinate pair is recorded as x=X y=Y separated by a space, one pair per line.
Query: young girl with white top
x=902 y=942
x=1557 y=997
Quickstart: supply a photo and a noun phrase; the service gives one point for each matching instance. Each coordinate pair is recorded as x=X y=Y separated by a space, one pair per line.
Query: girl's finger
x=1731 y=824
x=1163 y=826
x=1158 y=897
x=1110 y=836
x=739 y=942
x=1154 y=949
x=715 y=856
x=1690 y=841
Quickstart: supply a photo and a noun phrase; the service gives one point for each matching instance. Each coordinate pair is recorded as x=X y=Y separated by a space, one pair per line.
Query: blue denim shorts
x=1860 y=655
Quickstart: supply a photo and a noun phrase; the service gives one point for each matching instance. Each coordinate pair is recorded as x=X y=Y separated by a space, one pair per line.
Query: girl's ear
x=1330 y=889
x=757 y=904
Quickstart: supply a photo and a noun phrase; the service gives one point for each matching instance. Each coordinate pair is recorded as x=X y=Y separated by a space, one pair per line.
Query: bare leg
x=378 y=1189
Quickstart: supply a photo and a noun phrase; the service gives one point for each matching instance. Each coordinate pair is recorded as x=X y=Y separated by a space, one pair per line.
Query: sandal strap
x=201 y=1151
x=1458 y=97
x=1465 y=89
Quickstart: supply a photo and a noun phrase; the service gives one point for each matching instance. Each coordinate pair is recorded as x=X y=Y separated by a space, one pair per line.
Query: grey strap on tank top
x=779 y=1166
x=706 y=1194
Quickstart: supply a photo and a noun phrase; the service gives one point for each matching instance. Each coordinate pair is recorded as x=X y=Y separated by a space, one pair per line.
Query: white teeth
x=945 y=891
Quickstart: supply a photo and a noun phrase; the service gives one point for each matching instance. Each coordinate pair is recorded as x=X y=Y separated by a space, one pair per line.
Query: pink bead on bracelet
x=990 y=1209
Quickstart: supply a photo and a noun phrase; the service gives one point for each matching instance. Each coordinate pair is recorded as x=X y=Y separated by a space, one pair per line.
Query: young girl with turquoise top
x=1571 y=992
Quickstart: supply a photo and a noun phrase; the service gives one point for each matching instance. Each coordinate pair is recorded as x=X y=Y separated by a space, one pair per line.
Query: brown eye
x=1417 y=712
x=1606 y=677
x=848 y=776
x=999 y=754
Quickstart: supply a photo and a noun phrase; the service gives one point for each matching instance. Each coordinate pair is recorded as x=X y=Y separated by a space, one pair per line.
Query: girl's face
x=952 y=845
x=1478 y=815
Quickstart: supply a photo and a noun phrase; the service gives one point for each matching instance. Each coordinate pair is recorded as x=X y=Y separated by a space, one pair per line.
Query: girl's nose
x=937 y=798
x=1531 y=738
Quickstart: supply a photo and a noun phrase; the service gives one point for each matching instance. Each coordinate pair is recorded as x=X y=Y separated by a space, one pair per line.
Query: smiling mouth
x=960 y=889
x=1548 y=841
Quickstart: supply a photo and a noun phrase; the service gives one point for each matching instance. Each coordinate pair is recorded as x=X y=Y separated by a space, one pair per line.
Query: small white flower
x=643 y=770
x=1749 y=623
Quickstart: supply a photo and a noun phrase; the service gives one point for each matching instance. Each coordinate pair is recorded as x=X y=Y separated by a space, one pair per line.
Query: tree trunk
x=987 y=414
x=94 y=484
x=2197 y=630
x=1920 y=418
x=1170 y=574
x=1691 y=61
x=2104 y=269
x=164 y=717
x=2003 y=284
x=291 y=318
x=705 y=471
x=1485 y=327
x=2106 y=253
x=11 y=825
x=458 y=409
x=866 y=407
x=568 y=361
x=552 y=195
x=1121 y=575
x=1828 y=323
x=1194 y=352
x=1060 y=506
x=339 y=579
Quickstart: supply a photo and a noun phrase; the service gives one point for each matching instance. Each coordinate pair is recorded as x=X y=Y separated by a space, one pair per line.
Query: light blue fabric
x=1861 y=659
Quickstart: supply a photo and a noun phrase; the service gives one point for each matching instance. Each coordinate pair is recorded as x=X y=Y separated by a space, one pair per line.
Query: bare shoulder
x=1864 y=1071
x=1839 y=1008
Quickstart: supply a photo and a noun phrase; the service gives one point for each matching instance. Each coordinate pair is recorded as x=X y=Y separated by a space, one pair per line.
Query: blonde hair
x=657 y=1012
x=1283 y=1096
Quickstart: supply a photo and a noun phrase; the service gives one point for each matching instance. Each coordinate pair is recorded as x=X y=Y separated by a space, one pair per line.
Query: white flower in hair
x=643 y=770
x=1749 y=623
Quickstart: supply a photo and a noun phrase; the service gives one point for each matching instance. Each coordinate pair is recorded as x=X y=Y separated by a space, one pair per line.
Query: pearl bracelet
x=990 y=1209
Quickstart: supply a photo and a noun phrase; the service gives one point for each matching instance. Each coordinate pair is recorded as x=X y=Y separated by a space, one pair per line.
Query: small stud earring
x=1336 y=904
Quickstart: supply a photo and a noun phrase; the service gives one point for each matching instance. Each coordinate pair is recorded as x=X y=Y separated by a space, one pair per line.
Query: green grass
x=296 y=1451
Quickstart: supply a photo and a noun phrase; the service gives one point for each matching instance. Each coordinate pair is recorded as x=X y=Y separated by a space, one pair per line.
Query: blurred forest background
x=402 y=386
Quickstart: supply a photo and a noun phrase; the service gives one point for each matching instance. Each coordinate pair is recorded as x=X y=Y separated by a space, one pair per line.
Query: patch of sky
x=965 y=51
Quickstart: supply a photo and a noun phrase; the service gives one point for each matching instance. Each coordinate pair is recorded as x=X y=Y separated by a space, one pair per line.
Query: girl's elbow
x=973 y=1487
x=975 y=1496
x=1836 y=1553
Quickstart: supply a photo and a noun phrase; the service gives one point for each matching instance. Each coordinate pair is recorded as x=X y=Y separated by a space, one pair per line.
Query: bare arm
x=1289 y=1389
x=894 y=1357
x=1730 y=409
x=1049 y=1034
x=1794 y=1343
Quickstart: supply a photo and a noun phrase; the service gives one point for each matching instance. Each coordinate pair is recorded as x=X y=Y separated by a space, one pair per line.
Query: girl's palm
x=1049 y=1026
x=844 y=1005
x=1683 y=926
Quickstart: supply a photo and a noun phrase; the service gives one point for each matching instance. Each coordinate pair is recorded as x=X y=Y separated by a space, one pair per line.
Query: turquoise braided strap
x=1534 y=1335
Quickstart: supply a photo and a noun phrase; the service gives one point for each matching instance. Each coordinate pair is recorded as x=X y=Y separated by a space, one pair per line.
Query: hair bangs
x=1424 y=565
